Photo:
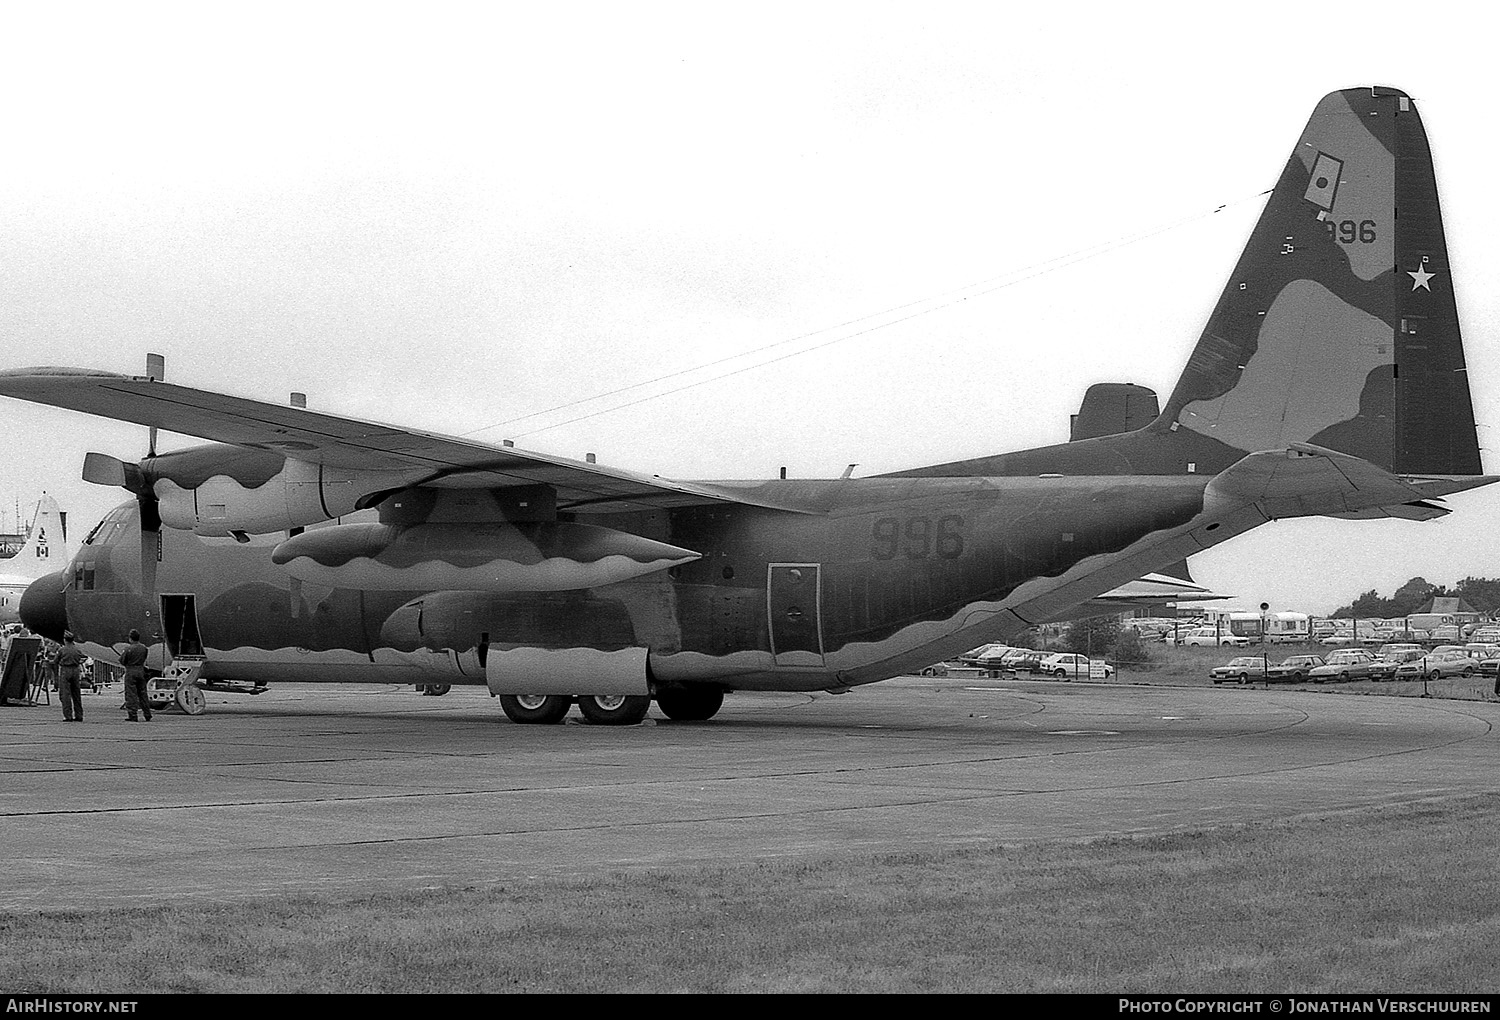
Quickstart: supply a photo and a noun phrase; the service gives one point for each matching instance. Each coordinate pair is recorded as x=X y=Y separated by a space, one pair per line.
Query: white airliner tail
x=46 y=548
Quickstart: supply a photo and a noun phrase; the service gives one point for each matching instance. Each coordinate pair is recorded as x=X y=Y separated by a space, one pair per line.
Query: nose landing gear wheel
x=535 y=708
x=190 y=699
x=613 y=709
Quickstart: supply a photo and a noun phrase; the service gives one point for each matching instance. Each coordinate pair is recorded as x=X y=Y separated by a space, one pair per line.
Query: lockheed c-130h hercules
x=301 y=545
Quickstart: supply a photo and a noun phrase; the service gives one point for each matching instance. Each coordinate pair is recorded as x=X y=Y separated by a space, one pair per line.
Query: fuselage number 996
x=917 y=538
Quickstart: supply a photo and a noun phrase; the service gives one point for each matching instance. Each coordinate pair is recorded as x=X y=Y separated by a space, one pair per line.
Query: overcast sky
x=454 y=216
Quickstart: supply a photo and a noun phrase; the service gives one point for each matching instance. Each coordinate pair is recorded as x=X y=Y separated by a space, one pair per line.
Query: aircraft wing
x=321 y=438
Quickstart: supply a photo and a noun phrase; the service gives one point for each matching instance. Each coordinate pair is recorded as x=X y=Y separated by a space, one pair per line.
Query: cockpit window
x=109 y=526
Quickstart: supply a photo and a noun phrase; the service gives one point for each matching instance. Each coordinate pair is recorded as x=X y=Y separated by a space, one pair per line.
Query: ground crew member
x=69 y=676
x=133 y=658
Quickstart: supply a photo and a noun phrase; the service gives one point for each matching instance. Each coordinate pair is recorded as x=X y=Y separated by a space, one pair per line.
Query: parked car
x=1389 y=651
x=1294 y=668
x=1022 y=660
x=1436 y=665
x=1350 y=664
x=1151 y=629
x=1243 y=668
x=1407 y=654
x=985 y=655
x=1209 y=638
x=1489 y=667
x=1070 y=664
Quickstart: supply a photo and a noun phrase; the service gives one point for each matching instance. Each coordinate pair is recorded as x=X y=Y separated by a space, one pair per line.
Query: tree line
x=1483 y=593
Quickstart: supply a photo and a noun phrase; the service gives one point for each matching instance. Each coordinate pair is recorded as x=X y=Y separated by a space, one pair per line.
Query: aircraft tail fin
x=45 y=550
x=1339 y=327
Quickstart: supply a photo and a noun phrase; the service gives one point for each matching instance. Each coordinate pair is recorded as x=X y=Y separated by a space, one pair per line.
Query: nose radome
x=43 y=608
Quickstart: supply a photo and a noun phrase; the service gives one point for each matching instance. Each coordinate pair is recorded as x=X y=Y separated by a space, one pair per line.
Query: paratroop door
x=793 y=607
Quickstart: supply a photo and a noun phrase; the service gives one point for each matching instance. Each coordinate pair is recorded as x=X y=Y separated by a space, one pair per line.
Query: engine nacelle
x=493 y=557
x=218 y=490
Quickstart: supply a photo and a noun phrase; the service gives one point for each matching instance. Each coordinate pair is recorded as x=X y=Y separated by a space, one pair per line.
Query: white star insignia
x=1420 y=277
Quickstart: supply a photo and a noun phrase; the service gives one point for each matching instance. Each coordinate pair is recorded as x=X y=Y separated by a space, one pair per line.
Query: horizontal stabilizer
x=1419 y=511
x=1306 y=481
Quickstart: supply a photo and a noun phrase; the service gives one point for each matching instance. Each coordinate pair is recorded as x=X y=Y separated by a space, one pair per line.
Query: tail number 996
x=917 y=538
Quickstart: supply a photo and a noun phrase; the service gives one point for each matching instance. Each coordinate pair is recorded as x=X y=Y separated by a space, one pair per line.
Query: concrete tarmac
x=352 y=789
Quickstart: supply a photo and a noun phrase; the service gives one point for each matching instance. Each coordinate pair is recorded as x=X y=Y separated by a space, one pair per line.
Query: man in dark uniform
x=69 y=673
x=133 y=658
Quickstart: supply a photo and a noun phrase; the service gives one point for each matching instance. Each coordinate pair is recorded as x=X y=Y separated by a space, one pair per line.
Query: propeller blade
x=102 y=469
x=156 y=371
x=150 y=540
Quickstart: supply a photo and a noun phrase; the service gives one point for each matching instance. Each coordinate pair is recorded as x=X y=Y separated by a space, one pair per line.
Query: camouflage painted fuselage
x=884 y=575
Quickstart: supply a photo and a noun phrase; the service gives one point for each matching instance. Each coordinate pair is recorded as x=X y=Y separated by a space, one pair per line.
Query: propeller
x=137 y=479
x=294 y=584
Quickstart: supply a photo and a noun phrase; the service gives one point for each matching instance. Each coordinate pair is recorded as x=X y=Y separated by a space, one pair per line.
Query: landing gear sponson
x=680 y=704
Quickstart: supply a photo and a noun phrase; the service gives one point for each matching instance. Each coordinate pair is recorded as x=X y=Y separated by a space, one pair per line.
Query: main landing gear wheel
x=535 y=708
x=694 y=705
x=435 y=690
x=613 y=709
x=190 y=699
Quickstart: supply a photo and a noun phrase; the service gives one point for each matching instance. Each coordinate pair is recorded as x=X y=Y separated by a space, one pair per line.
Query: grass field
x=1398 y=900
x=1404 y=900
